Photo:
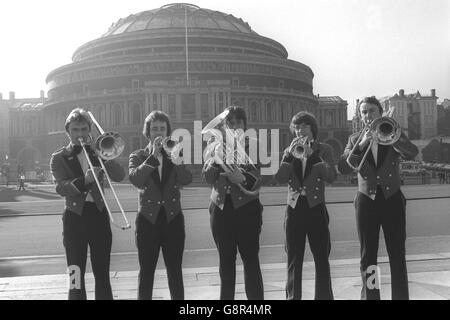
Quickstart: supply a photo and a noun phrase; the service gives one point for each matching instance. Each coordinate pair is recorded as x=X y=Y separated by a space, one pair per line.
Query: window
x=221 y=101
x=136 y=114
x=235 y=82
x=188 y=106
x=204 y=105
x=136 y=143
x=117 y=115
x=281 y=84
x=269 y=112
x=172 y=106
x=135 y=85
x=254 y=111
x=155 y=101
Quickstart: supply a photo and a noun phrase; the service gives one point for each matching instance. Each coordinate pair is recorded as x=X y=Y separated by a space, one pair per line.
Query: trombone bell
x=109 y=145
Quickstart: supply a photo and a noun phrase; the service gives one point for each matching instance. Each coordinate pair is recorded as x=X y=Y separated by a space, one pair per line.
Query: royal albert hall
x=188 y=61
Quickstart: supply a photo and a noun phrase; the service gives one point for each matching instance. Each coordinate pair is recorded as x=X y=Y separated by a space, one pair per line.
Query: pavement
x=428 y=275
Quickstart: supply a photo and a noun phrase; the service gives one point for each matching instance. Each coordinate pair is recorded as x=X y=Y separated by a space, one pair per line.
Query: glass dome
x=175 y=16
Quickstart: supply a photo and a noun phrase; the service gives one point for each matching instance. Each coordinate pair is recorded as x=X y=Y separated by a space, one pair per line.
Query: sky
x=354 y=47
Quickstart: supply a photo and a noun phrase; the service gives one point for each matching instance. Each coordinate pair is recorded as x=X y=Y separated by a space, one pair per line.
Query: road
x=31 y=241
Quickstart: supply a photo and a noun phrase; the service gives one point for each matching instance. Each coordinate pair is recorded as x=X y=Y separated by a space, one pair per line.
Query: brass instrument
x=107 y=146
x=172 y=147
x=220 y=149
x=298 y=148
x=386 y=130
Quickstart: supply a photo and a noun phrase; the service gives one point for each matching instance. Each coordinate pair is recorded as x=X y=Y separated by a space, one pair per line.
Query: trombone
x=108 y=146
x=386 y=130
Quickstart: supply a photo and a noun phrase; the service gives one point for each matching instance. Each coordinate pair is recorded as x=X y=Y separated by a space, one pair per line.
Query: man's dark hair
x=77 y=115
x=238 y=113
x=153 y=116
x=371 y=100
x=305 y=118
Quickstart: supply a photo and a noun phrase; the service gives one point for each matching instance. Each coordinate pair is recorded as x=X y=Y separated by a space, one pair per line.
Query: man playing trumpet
x=306 y=166
x=85 y=218
x=160 y=220
x=379 y=201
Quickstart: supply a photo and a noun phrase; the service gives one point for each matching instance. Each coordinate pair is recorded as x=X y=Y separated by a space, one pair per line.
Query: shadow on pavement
x=12 y=194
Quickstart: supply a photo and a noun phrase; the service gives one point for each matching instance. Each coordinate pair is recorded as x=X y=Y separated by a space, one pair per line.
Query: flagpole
x=186 y=38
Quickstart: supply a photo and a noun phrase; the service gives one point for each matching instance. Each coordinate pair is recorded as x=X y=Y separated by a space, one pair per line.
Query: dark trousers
x=389 y=214
x=91 y=229
x=234 y=229
x=149 y=239
x=312 y=222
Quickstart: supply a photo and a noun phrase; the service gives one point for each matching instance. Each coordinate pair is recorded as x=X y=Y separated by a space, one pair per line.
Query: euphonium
x=220 y=150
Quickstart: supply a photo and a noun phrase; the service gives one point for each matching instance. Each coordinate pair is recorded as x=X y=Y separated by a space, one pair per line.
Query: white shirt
x=160 y=159
x=85 y=166
x=304 y=159
x=375 y=151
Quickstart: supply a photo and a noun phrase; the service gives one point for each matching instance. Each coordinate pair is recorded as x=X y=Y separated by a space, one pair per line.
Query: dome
x=173 y=16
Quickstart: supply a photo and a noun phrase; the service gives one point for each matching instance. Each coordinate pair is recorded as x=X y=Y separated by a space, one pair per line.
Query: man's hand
x=177 y=160
x=367 y=137
x=89 y=176
x=157 y=146
x=235 y=176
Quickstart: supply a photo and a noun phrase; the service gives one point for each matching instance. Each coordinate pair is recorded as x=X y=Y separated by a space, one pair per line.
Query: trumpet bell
x=298 y=151
x=109 y=145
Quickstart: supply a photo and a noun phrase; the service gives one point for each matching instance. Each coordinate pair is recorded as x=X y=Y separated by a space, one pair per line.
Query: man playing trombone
x=306 y=166
x=375 y=154
x=85 y=218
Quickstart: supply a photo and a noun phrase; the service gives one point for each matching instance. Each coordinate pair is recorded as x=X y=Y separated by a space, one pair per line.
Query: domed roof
x=173 y=16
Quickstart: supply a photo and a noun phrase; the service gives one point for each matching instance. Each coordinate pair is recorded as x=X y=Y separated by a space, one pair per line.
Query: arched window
x=136 y=111
x=117 y=115
x=254 y=111
x=269 y=112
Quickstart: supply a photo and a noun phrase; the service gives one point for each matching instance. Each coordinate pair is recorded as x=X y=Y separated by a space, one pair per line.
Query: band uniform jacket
x=386 y=173
x=319 y=169
x=155 y=192
x=69 y=178
x=221 y=185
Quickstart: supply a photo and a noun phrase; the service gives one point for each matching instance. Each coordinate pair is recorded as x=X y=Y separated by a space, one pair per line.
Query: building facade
x=22 y=124
x=416 y=113
x=443 y=114
x=189 y=62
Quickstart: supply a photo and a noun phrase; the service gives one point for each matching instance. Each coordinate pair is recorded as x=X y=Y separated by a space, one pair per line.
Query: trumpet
x=107 y=146
x=386 y=130
x=172 y=147
x=298 y=149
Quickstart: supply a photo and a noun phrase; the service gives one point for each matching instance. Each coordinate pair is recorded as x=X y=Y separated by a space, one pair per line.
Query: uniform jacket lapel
x=71 y=161
x=382 y=152
x=166 y=169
